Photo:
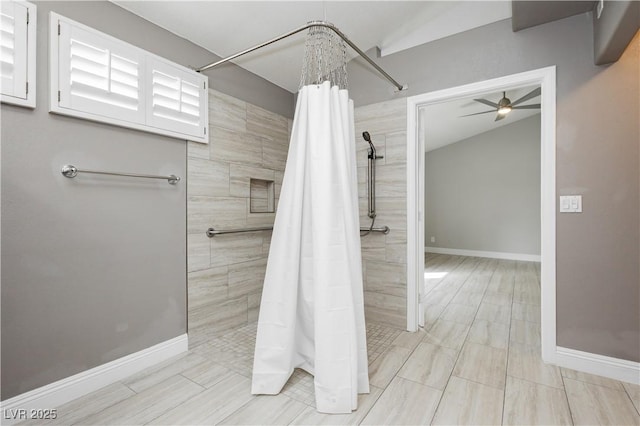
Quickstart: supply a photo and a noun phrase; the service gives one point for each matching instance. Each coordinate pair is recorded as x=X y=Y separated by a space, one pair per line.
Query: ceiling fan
x=505 y=106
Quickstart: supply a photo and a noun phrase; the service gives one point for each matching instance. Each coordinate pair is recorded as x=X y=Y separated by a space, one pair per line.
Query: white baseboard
x=600 y=365
x=489 y=254
x=70 y=388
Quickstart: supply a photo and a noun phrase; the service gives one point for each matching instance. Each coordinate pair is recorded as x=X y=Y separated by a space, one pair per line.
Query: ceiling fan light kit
x=505 y=106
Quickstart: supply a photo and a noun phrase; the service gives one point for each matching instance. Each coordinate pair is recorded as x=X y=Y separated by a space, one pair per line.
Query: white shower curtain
x=312 y=310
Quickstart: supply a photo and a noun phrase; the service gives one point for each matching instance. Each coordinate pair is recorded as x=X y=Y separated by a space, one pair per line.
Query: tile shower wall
x=384 y=257
x=225 y=273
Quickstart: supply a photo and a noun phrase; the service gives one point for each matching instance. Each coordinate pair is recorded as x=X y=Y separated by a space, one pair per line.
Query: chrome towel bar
x=72 y=171
x=211 y=232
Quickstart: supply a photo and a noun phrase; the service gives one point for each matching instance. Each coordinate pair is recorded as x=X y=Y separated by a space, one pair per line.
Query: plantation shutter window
x=17 y=53
x=177 y=99
x=14 y=50
x=98 y=77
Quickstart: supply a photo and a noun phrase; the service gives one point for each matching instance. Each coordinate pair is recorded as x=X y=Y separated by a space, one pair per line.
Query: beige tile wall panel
x=251 y=142
x=226 y=272
x=227 y=112
x=267 y=124
x=228 y=249
x=385 y=256
x=198 y=252
x=208 y=178
x=208 y=286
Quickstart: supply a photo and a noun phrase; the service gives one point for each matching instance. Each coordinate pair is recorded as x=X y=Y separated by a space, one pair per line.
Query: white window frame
x=29 y=99
x=141 y=121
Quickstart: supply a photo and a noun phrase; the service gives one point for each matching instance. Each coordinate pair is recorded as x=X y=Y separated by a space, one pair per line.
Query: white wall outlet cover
x=433 y=239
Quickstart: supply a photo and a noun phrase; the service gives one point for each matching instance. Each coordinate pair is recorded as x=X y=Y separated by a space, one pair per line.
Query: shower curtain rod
x=399 y=86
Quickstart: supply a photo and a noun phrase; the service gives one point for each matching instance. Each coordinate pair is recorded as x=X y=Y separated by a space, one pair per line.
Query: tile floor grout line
x=128 y=387
x=458 y=291
x=536 y=383
x=78 y=421
x=577 y=379
x=566 y=396
x=506 y=372
x=425 y=296
x=204 y=388
x=632 y=402
x=506 y=367
x=372 y=405
x=221 y=421
x=459 y=352
x=478 y=383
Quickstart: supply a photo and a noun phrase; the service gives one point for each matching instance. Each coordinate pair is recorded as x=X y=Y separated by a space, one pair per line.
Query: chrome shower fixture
x=325 y=58
x=312 y=24
x=371 y=176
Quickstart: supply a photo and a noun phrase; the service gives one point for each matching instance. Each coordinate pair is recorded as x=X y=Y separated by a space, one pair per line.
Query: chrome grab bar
x=70 y=172
x=384 y=229
x=211 y=232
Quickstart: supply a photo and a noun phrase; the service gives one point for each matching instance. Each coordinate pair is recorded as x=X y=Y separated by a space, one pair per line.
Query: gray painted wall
x=483 y=193
x=597 y=154
x=94 y=269
x=618 y=23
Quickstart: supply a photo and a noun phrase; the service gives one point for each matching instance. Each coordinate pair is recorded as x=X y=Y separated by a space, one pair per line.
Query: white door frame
x=546 y=78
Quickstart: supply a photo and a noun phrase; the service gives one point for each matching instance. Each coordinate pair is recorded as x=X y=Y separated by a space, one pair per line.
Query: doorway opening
x=416 y=149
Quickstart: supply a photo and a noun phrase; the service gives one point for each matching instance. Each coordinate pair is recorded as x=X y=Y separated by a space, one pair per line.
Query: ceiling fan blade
x=532 y=94
x=486 y=102
x=500 y=117
x=478 y=113
x=532 y=106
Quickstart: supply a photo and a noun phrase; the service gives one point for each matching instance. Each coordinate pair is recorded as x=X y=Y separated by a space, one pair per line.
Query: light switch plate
x=571 y=204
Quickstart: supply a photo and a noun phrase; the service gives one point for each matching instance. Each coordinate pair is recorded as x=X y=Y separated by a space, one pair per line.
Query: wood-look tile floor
x=477 y=361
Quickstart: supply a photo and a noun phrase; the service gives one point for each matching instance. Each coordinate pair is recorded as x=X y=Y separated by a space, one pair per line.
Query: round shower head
x=366 y=136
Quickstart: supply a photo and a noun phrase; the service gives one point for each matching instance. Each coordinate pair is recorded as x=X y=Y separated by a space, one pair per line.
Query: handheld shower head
x=372 y=149
x=371 y=178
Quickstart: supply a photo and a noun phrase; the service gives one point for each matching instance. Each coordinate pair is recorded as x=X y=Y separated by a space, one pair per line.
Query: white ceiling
x=444 y=124
x=226 y=27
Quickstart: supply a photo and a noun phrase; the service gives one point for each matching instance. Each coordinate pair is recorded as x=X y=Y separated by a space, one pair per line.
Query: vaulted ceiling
x=445 y=124
x=226 y=27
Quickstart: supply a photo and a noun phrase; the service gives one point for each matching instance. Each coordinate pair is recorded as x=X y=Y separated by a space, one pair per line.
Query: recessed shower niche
x=261 y=196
